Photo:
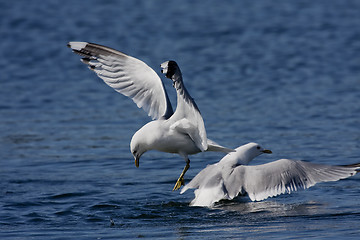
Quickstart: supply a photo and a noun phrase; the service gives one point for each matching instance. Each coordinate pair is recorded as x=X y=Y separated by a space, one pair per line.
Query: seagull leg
x=180 y=182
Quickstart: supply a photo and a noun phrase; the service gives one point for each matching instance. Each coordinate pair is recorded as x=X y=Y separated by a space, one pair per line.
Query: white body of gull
x=232 y=176
x=181 y=132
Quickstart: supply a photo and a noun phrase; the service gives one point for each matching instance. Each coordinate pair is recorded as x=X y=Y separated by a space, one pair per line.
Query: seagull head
x=171 y=70
x=252 y=150
x=137 y=148
x=245 y=154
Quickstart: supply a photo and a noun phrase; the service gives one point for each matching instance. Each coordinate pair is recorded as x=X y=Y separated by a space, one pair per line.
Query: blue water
x=285 y=74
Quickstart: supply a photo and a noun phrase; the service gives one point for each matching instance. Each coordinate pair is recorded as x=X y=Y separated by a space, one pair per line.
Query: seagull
x=182 y=132
x=232 y=176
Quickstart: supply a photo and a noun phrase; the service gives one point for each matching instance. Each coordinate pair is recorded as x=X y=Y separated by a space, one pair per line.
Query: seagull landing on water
x=232 y=176
x=181 y=132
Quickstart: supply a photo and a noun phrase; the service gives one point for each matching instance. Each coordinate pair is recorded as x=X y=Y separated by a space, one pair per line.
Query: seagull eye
x=258 y=147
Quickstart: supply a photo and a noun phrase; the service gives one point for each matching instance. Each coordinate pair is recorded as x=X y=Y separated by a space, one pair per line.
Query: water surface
x=283 y=74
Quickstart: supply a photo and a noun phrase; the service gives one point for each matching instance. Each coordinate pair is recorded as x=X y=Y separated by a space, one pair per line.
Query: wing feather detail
x=284 y=176
x=128 y=76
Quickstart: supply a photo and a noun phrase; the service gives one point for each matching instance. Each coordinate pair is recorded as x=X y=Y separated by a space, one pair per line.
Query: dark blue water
x=285 y=74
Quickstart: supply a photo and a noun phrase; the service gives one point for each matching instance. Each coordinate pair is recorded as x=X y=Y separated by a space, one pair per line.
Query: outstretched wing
x=127 y=75
x=283 y=176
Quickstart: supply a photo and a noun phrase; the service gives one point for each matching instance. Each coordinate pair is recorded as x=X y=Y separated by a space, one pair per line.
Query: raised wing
x=187 y=117
x=127 y=75
x=283 y=176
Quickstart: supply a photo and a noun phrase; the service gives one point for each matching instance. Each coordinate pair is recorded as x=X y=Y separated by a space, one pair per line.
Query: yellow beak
x=267 y=151
x=137 y=163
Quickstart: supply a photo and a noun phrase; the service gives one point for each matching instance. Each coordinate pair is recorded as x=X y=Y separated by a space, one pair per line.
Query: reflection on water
x=272 y=208
x=263 y=219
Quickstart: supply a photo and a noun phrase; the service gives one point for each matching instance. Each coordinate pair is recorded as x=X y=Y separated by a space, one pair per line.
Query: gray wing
x=209 y=176
x=127 y=75
x=283 y=176
x=209 y=186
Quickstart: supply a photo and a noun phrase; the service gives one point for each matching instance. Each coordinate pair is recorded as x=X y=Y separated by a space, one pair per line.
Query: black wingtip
x=85 y=60
x=172 y=68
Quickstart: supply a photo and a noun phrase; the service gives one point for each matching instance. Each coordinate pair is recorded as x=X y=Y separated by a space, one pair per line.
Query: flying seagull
x=232 y=176
x=181 y=132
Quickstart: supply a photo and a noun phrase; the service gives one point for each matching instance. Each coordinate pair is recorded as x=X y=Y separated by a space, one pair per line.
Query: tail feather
x=214 y=147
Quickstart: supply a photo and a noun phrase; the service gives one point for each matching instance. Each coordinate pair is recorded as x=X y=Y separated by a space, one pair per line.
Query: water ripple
x=283 y=74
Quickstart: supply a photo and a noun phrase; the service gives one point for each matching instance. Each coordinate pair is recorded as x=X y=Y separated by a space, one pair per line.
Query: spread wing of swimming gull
x=231 y=177
x=283 y=176
x=127 y=75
